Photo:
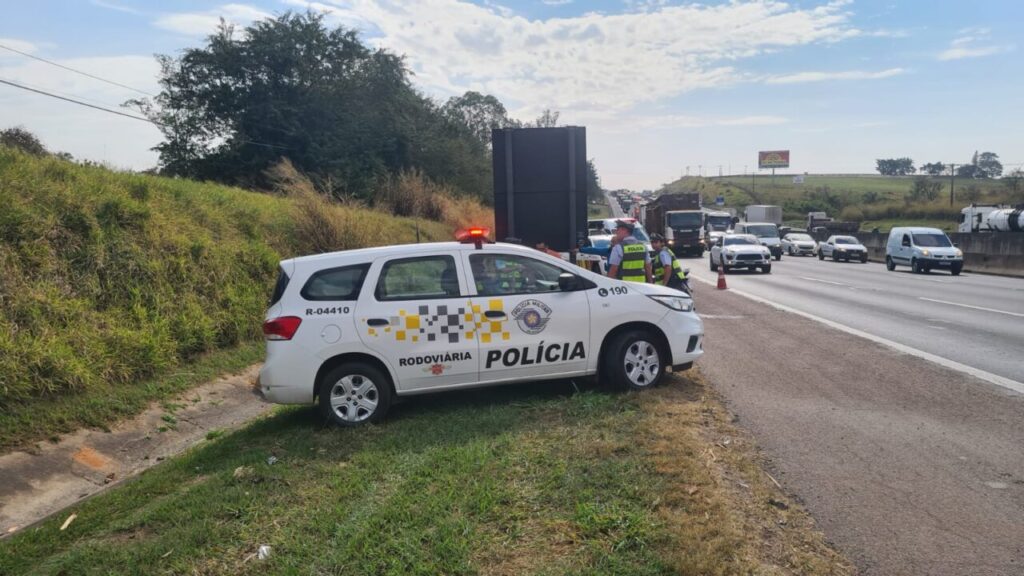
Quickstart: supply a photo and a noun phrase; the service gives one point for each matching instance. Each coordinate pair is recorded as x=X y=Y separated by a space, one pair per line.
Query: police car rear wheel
x=354 y=394
x=635 y=362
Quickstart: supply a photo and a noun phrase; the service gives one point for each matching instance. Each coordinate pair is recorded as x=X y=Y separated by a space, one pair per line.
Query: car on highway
x=798 y=244
x=358 y=328
x=923 y=249
x=842 y=248
x=740 y=251
x=767 y=235
x=600 y=226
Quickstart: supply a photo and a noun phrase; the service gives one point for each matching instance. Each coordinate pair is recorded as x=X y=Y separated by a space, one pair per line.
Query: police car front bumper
x=685 y=334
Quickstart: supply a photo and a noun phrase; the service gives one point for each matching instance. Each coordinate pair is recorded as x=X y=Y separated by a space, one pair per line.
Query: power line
x=76 y=71
x=118 y=112
x=79 y=102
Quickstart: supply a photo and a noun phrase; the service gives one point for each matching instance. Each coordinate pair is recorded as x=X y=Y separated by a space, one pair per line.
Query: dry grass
x=726 y=514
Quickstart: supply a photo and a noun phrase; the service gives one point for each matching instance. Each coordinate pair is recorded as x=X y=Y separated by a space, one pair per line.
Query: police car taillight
x=282 y=328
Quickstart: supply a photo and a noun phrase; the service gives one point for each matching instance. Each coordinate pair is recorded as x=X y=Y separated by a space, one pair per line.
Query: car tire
x=711 y=261
x=778 y=256
x=955 y=270
x=915 y=266
x=821 y=255
x=354 y=394
x=634 y=361
x=864 y=259
x=766 y=269
x=835 y=256
x=889 y=264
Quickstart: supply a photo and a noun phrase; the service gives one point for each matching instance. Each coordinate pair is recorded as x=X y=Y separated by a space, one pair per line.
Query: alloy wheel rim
x=642 y=363
x=354 y=398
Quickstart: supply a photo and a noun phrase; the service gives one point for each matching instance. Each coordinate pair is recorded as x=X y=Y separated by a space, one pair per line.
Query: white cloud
x=592 y=62
x=85 y=133
x=115 y=7
x=556 y=2
x=205 y=23
x=20 y=45
x=972 y=42
x=802 y=77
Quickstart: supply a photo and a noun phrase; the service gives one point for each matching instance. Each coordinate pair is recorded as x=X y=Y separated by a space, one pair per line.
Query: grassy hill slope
x=875 y=200
x=109 y=279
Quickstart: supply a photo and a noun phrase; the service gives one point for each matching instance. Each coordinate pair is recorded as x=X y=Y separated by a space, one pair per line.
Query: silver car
x=843 y=248
x=798 y=244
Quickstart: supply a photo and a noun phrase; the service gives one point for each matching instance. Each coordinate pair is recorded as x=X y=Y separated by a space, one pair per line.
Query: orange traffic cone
x=721 y=277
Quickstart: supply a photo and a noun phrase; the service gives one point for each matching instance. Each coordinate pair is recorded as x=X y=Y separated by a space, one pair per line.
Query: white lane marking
x=820 y=280
x=944 y=362
x=970 y=306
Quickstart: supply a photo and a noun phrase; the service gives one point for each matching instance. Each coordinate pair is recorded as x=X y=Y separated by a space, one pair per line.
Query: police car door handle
x=378 y=322
x=494 y=314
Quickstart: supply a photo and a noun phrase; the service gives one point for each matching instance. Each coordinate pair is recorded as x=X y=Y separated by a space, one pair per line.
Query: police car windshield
x=932 y=240
x=640 y=234
x=800 y=237
x=845 y=240
x=739 y=240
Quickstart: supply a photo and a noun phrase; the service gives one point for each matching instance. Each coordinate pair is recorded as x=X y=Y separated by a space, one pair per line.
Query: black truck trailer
x=540 y=186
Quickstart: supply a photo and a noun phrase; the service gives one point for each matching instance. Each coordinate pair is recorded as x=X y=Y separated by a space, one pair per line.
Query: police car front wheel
x=634 y=362
x=354 y=394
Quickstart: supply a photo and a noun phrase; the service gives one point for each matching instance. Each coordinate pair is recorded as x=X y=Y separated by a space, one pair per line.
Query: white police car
x=359 y=327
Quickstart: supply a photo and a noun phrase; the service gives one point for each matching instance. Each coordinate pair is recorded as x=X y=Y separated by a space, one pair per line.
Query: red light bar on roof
x=474 y=234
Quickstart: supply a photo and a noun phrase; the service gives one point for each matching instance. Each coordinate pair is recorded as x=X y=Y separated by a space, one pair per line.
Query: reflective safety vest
x=632 y=268
x=659 y=269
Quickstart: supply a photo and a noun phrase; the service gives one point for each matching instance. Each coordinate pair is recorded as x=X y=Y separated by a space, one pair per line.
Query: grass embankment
x=521 y=480
x=881 y=201
x=109 y=282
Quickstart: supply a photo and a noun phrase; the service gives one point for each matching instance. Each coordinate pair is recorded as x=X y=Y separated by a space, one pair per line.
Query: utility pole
x=687 y=170
x=952 y=178
x=719 y=170
x=700 y=169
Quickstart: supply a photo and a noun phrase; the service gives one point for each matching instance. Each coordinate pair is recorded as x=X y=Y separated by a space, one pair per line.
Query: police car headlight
x=925 y=253
x=678 y=303
x=959 y=253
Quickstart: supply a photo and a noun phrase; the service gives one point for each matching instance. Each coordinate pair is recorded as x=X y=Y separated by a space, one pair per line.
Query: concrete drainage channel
x=34 y=485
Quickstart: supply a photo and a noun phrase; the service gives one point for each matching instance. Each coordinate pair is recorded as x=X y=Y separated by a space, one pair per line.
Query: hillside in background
x=873 y=200
x=109 y=278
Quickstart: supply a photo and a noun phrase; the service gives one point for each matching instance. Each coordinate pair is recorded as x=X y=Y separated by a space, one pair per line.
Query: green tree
x=1013 y=180
x=342 y=112
x=895 y=166
x=547 y=119
x=933 y=168
x=989 y=165
x=479 y=113
x=22 y=139
x=594 y=189
x=924 y=190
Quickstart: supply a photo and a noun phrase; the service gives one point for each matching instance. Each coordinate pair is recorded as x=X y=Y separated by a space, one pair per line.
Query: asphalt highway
x=972 y=319
x=907 y=465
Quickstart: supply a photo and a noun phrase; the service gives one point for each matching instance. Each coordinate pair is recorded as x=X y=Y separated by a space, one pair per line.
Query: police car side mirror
x=569 y=282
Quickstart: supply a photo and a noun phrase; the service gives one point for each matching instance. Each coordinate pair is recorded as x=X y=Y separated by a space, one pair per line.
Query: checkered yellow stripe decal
x=444 y=323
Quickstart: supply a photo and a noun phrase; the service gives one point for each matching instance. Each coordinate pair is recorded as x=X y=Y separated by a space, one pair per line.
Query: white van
x=922 y=249
x=766 y=232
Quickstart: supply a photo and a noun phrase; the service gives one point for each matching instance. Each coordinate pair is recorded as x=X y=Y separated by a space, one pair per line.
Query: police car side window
x=418 y=279
x=506 y=274
x=335 y=284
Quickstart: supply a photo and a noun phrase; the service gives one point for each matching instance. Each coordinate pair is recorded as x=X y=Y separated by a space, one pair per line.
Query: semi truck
x=764 y=213
x=991 y=218
x=678 y=217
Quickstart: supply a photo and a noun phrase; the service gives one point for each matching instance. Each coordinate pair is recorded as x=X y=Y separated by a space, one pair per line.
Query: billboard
x=773 y=159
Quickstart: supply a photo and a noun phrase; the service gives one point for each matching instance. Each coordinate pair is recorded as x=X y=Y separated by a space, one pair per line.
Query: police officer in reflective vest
x=629 y=259
x=667 y=269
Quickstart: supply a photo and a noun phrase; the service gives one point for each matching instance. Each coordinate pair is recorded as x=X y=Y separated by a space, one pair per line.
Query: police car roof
x=365 y=254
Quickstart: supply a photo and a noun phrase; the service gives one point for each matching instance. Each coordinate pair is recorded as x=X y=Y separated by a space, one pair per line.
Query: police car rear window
x=279 y=287
x=336 y=284
x=419 y=278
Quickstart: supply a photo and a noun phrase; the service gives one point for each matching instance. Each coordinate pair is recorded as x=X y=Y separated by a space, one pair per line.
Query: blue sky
x=660 y=85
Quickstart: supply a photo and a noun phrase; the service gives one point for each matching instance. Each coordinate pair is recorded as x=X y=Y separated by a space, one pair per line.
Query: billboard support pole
x=773 y=177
